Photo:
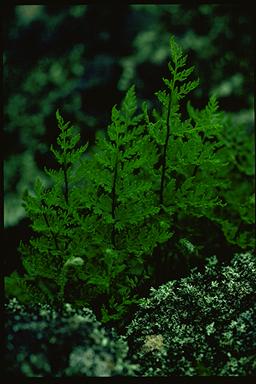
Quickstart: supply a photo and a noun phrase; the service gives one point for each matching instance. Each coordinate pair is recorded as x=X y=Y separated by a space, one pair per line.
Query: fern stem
x=66 y=183
x=238 y=229
x=161 y=199
x=113 y=207
x=52 y=234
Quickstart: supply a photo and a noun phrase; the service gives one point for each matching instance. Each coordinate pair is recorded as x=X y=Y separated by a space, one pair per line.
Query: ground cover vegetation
x=160 y=196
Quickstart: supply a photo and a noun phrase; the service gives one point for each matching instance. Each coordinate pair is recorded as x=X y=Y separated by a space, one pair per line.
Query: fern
x=123 y=201
x=53 y=212
x=112 y=217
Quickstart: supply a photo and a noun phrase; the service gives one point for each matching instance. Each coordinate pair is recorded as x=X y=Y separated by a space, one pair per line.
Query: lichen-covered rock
x=204 y=324
x=43 y=342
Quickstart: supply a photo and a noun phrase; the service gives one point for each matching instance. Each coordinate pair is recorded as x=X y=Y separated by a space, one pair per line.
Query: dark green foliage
x=47 y=62
x=108 y=219
x=53 y=211
x=189 y=163
x=44 y=343
x=238 y=216
x=203 y=324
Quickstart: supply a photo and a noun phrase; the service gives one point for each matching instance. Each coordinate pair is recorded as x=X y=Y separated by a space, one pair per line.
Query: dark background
x=81 y=59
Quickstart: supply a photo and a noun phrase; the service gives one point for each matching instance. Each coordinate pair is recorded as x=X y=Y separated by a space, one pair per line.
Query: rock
x=43 y=342
x=204 y=324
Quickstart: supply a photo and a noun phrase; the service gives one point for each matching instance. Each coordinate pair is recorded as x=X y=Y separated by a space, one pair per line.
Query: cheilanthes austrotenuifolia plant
x=103 y=215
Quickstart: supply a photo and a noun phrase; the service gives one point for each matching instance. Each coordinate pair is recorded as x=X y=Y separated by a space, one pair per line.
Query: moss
x=205 y=322
x=43 y=342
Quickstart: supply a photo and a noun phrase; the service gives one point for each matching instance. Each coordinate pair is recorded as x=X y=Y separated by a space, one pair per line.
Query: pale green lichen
x=206 y=323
